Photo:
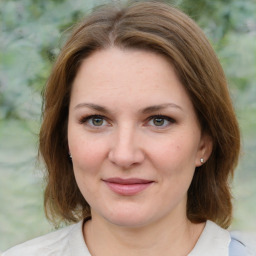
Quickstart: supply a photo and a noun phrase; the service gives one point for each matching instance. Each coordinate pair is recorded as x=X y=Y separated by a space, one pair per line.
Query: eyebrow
x=146 y=110
x=93 y=106
x=156 y=108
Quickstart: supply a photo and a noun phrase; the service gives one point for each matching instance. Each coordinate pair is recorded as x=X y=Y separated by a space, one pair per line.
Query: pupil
x=97 y=121
x=158 y=121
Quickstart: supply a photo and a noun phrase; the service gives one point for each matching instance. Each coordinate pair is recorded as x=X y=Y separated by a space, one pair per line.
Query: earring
x=201 y=160
x=70 y=156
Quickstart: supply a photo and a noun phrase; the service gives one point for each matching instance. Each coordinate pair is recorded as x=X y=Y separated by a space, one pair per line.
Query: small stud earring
x=70 y=156
x=201 y=160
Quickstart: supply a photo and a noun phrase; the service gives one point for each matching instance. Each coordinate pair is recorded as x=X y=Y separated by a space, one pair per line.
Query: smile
x=127 y=187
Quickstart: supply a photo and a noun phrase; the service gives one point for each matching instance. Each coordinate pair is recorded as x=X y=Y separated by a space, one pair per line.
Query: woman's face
x=134 y=137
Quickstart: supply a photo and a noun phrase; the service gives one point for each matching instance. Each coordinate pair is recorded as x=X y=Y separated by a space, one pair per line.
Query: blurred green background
x=31 y=35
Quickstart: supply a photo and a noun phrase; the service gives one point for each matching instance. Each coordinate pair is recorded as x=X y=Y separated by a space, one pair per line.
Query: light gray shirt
x=69 y=241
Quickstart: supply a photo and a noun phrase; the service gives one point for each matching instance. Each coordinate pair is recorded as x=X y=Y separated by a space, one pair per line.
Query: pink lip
x=127 y=187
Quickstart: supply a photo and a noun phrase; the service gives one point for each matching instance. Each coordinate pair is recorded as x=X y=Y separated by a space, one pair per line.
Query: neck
x=104 y=238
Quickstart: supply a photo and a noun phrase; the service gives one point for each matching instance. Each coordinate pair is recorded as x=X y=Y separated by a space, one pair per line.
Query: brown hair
x=165 y=30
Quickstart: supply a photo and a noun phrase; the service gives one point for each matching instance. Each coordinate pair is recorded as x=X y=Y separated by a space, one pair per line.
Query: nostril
x=126 y=158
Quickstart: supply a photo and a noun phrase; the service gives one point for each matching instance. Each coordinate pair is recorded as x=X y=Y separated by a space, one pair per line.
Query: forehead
x=129 y=76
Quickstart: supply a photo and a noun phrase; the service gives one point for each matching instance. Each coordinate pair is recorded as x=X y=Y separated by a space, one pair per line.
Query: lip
x=127 y=187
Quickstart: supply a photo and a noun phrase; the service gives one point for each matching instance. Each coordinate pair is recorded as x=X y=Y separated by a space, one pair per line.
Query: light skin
x=131 y=121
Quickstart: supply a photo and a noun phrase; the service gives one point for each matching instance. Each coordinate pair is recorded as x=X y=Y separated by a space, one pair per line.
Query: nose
x=126 y=150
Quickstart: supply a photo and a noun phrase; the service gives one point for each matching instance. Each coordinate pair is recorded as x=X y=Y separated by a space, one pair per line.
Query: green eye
x=94 y=121
x=97 y=121
x=159 y=121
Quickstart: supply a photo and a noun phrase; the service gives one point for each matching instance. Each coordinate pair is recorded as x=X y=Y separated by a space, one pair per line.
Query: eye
x=160 y=121
x=94 y=121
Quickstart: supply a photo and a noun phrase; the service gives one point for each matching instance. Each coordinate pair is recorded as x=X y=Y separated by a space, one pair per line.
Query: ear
x=204 y=149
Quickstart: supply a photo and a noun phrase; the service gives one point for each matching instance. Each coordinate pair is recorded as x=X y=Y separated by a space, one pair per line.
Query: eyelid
x=160 y=116
x=85 y=119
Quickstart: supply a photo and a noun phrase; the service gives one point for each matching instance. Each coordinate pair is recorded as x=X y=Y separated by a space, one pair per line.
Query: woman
x=139 y=138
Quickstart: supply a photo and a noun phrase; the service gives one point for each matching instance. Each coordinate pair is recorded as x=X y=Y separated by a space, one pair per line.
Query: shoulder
x=55 y=243
x=213 y=241
x=237 y=248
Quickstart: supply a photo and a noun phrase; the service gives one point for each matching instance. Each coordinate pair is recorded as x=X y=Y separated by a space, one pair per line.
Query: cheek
x=174 y=153
x=87 y=153
x=88 y=157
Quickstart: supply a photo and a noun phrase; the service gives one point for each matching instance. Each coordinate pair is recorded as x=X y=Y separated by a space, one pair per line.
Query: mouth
x=127 y=187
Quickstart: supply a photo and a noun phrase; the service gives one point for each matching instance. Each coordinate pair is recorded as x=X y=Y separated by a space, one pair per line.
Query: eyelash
x=163 y=117
x=86 y=119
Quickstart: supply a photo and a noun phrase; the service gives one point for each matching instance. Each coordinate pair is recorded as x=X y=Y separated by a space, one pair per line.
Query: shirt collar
x=214 y=241
x=76 y=241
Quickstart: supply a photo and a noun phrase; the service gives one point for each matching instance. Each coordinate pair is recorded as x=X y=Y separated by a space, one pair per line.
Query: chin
x=131 y=222
x=132 y=219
